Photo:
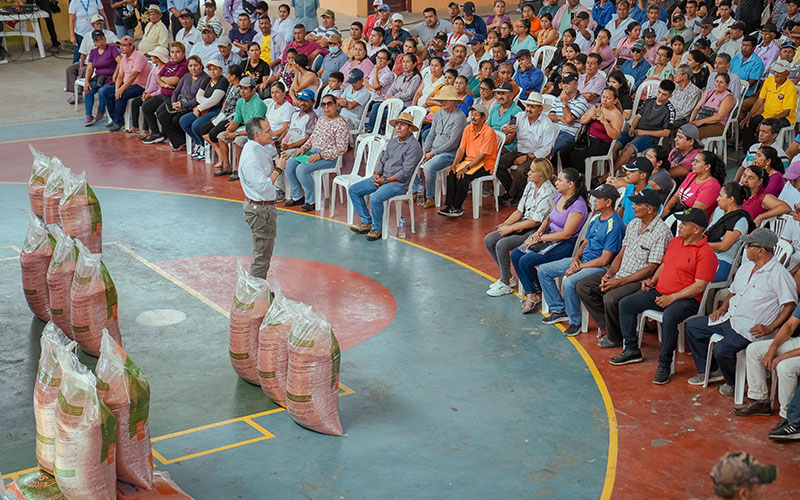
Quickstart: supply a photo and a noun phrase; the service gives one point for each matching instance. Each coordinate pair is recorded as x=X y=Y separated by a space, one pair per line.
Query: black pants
x=604 y=307
x=149 y=109
x=457 y=188
x=48 y=21
x=136 y=106
x=750 y=132
x=509 y=180
x=213 y=130
x=171 y=127
x=577 y=157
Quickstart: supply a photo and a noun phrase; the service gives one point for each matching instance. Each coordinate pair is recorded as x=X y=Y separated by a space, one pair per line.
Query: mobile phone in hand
x=512 y=122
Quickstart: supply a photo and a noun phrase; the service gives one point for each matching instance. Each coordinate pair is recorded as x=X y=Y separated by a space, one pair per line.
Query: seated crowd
x=663 y=229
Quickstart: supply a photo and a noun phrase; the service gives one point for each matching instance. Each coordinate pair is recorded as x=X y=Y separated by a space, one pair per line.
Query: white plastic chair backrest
x=784 y=252
x=546 y=53
x=646 y=90
x=364 y=114
x=414 y=177
x=419 y=113
x=549 y=99
x=631 y=81
x=745 y=88
x=388 y=110
x=602 y=74
x=426 y=71
x=268 y=102
x=375 y=146
x=775 y=224
x=581 y=234
x=501 y=141
x=672 y=224
x=358 y=159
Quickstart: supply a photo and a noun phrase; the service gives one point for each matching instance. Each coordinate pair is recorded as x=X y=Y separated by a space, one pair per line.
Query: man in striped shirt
x=567 y=111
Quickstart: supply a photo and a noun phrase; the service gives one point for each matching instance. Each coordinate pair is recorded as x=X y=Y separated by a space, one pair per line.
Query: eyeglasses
x=325 y=104
x=637 y=50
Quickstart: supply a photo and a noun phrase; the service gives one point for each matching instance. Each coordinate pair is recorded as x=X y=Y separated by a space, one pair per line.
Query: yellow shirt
x=266 y=55
x=777 y=99
x=347 y=47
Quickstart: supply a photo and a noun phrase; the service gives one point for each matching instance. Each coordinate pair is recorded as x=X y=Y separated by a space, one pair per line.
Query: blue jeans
x=116 y=107
x=698 y=334
x=75 y=54
x=674 y=315
x=640 y=143
x=562 y=139
x=525 y=263
x=122 y=31
x=191 y=125
x=723 y=269
x=88 y=99
x=547 y=280
x=430 y=167
x=373 y=115
x=377 y=195
x=300 y=178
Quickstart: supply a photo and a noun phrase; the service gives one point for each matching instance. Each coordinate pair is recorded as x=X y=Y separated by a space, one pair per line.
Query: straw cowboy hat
x=535 y=99
x=449 y=93
x=405 y=118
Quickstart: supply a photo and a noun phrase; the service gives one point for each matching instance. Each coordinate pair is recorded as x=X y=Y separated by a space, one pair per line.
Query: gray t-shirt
x=426 y=34
x=656 y=116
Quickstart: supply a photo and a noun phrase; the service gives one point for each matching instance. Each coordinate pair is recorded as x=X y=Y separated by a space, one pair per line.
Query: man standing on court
x=257 y=176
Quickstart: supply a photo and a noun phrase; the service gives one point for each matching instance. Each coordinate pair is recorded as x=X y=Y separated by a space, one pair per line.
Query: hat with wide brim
x=536 y=99
x=449 y=93
x=404 y=118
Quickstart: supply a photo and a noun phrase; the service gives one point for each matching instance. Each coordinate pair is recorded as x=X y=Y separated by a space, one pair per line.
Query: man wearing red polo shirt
x=676 y=289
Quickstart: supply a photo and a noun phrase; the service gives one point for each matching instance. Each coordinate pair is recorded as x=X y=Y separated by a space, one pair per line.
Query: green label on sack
x=297 y=341
x=298 y=399
x=336 y=359
x=82 y=280
x=108 y=429
x=64 y=472
x=75 y=411
x=94 y=210
x=56 y=312
x=80 y=329
x=241 y=305
x=102 y=386
x=111 y=291
x=55 y=264
x=45 y=440
x=266 y=374
x=235 y=355
x=29 y=292
x=47 y=379
x=139 y=395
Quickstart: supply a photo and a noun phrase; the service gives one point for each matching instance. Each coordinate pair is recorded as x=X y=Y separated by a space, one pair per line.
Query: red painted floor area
x=356 y=306
x=669 y=436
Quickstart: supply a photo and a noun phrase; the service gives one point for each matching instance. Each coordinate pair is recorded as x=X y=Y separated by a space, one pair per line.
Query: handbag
x=582 y=137
x=129 y=19
x=705 y=111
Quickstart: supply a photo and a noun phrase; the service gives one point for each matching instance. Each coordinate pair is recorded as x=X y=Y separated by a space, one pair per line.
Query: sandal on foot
x=220 y=172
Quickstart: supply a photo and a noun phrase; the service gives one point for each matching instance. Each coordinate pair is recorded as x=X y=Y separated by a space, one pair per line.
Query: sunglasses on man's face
x=325 y=104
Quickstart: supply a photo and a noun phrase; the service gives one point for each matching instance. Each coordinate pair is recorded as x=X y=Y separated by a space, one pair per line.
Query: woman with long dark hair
x=760 y=205
x=701 y=187
x=767 y=158
x=728 y=225
x=555 y=239
x=605 y=124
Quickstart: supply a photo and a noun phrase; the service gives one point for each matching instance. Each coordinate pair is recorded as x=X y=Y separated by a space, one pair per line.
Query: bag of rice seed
x=93 y=302
x=86 y=436
x=38 y=485
x=312 y=383
x=53 y=191
x=34 y=260
x=250 y=303
x=273 y=350
x=39 y=174
x=164 y=488
x=80 y=212
x=59 y=278
x=123 y=388
x=45 y=393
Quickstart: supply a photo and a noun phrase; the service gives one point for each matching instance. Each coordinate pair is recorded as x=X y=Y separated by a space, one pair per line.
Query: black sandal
x=220 y=172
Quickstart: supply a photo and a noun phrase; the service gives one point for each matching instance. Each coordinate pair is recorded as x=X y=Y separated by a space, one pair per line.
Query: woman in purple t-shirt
x=556 y=236
x=103 y=60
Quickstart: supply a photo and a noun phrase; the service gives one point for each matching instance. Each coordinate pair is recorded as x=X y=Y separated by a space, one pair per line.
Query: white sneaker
x=501 y=290
x=513 y=282
x=494 y=285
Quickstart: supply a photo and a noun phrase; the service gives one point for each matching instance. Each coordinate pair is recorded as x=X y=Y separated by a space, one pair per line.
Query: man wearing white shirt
x=479 y=54
x=725 y=19
x=535 y=134
x=208 y=49
x=761 y=298
x=257 y=176
x=619 y=23
x=188 y=35
x=654 y=22
x=81 y=14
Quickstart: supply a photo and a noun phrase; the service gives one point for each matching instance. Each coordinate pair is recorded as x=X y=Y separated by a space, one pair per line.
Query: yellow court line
x=16 y=475
x=159 y=456
x=215 y=450
x=613 y=438
x=54 y=137
x=191 y=291
x=10 y=258
x=259 y=428
x=12 y=247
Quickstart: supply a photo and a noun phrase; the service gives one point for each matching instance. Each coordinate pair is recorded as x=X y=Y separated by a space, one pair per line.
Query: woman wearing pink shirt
x=701 y=187
x=623 y=50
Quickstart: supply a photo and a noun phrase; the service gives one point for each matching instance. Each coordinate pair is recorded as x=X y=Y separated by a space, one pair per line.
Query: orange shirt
x=484 y=142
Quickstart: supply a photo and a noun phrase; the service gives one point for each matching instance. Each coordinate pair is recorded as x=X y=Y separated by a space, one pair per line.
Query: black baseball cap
x=605 y=191
x=569 y=77
x=441 y=35
x=648 y=197
x=98 y=34
x=695 y=215
x=186 y=13
x=641 y=164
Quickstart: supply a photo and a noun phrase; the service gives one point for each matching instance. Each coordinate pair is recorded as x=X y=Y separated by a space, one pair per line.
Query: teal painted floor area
x=52 y=128
x=459 y=397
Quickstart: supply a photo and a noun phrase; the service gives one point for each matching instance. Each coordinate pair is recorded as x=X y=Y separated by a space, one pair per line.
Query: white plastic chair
x=398 y=207
x=720 y=141
x=543 y=56
x=646 y=90
x=355 y=132
x=631 y=81
x=368 y=151
x=321 y=184
x=786 y=134
x=418 y=113
x=741 y=369
x=776 y=224
x=734 y=127
x=601 y=160
x=388 y=109
x=80 y=83
x=477 y=184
